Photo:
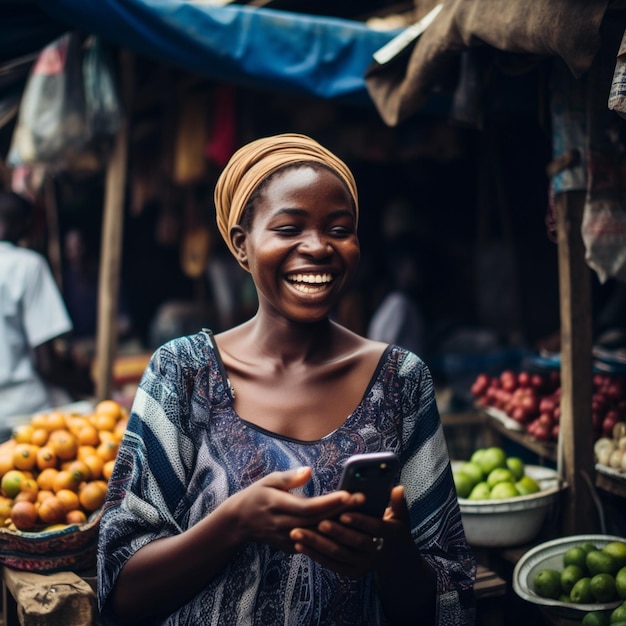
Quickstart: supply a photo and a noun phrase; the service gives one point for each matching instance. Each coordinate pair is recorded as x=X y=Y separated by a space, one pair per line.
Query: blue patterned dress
x=186 y=450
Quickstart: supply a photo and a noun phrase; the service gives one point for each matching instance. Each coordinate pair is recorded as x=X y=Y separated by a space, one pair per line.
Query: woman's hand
x=358 y=543
x=266 y=511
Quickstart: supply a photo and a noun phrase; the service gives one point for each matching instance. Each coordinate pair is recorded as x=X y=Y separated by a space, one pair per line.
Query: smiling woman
x=224 y=503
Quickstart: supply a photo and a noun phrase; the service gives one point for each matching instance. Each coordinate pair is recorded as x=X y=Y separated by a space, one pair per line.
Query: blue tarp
x=250 y=47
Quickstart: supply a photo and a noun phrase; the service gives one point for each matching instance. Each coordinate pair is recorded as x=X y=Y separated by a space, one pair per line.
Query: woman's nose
x=316 y=244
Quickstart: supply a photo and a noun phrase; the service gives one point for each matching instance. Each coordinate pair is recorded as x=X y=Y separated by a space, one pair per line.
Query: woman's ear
x=238 y=240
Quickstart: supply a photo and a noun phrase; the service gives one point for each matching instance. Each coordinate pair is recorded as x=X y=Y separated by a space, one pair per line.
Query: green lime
x=463 y=484
x=472 y=470
x=480 y=492
x=547 y=583
x=595 y=618
x=575 y=556
x=600 y=562
x=620 y=583
x=477 y=456
x=589 y=547
x=618 y=614
x=581 y=591
x=527 y=485
x=500 y=475
x=617 y=549
x=564 y=598
x=490 y=459
x=11 y=483
x=516 y=466
x=503 y=490
x=603 y=588
x=570 y=575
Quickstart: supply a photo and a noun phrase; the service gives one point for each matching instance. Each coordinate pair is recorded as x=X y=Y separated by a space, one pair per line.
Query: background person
x=223 y=504
x=32 y=314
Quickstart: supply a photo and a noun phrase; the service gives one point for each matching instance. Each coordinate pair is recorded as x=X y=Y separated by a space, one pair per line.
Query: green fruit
x=547 y=583
x=570 y=575
x=527 y=485
x=480 y=492
x=617 y=549
x=600 y=562
x=490 y=459
x=618 y=614
x=463 y=484
x=500 y=475
x=603 y=588
x=581 y=591
x=575 y=556
x=503 y=490
x=620 y=583
x=564 y=598
x=516 y=467
x=588 y=547
x=473 y=471
x=595 y=618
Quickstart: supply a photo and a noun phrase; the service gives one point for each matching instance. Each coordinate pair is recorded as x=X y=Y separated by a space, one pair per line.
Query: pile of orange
x=54 y=471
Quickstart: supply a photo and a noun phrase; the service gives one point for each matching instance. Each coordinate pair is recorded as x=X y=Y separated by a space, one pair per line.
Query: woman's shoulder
x=185 y=352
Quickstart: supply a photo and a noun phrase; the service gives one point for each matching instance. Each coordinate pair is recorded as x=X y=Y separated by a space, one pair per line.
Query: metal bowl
x=550 y=555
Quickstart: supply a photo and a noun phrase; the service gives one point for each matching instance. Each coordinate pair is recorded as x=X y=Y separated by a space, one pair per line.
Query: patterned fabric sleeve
x=430 y=493
x=147 y=489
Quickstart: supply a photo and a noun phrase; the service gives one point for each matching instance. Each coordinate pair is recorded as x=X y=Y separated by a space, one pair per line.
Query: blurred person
x=32 y=315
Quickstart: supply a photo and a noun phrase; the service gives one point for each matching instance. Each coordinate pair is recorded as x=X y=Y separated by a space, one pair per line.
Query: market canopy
x=252 y=47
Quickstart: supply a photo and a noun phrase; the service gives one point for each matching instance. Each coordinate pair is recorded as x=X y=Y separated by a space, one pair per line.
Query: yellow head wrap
x=254 y=162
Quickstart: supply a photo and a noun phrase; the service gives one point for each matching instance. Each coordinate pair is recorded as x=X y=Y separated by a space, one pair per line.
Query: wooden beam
x=576 y=434
x=111 y=244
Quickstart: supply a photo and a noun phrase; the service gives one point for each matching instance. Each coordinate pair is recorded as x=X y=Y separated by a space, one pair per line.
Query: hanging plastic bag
x=51 y=123
x=69 y=104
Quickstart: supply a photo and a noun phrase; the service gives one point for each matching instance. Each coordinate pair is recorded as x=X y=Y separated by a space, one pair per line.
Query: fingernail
x=302 y=470
x=296 y=535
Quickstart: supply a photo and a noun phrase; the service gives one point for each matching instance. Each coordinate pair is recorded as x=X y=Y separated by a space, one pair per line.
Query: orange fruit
x=104 y=421
x=24 y=456
x=65 y=480
x=46 y=458
x=85 y=451
x=42 y=494
x=120 y=428
x=6 y=462
x=107 y=469
x=11 y=483
x=5 y=509
x=109 y=407
x=95 y=463
x=46 y=477
x=25 y=496
x=69 y=499
x=24 y=515
x=87 y=435
x=55 y=421
x=75 y=516
x=23 y=433
x=92 y=496
x=39 y=420
x=107 y=450
x=52 y=511
x=39 y=437
x=80 y=469
x=29 y=485
x=64 y=444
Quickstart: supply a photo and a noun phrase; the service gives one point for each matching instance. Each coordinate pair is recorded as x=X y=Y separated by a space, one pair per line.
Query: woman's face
x=302 y=248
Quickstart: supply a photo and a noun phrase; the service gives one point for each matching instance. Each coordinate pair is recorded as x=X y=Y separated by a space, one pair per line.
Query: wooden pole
x=111 y=242
x=576 y=433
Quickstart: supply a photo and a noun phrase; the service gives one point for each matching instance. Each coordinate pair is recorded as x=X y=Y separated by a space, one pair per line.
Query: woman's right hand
x=266 y=511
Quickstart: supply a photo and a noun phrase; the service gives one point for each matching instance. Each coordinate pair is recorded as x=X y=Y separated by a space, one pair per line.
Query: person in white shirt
x=32 y=314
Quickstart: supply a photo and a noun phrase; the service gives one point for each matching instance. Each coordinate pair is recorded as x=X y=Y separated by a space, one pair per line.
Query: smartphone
x=374 y=475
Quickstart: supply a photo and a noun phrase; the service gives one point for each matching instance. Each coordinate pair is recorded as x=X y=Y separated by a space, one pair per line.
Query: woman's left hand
x=358 y=543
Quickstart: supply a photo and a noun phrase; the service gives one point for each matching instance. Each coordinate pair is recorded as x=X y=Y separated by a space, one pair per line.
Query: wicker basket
x=72 y=548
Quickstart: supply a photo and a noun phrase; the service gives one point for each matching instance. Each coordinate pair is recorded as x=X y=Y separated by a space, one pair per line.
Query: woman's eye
x=287 y=230
x=341 y=231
